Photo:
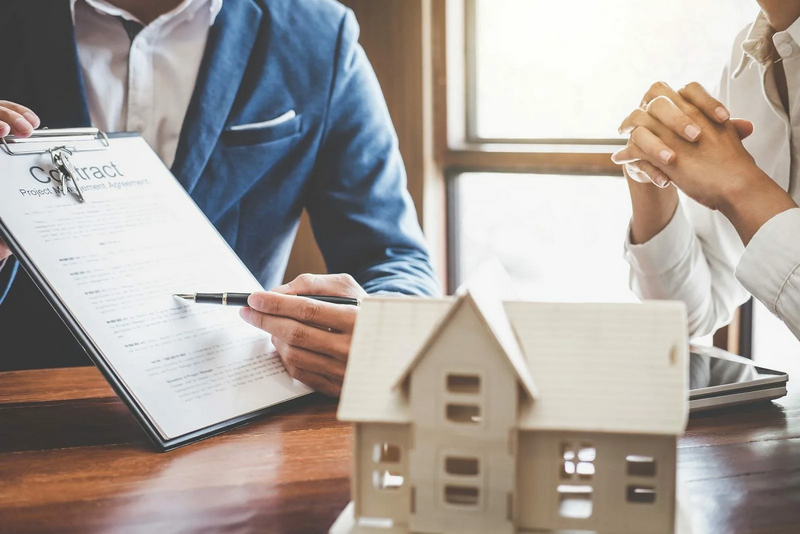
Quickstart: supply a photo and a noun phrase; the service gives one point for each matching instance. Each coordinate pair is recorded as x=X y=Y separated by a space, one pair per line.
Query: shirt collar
x=764 y=45
x=102 y=6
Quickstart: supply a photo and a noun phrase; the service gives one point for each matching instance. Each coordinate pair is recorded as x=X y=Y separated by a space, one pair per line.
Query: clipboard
x=69 y=142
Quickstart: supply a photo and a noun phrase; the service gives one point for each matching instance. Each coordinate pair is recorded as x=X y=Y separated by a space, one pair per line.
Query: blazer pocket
x=257 y=134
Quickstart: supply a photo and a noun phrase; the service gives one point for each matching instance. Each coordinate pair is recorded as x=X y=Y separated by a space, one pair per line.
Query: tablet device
x=718 y=378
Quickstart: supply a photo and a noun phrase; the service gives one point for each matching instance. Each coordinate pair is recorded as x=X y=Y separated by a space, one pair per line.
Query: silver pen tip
x=184 y=296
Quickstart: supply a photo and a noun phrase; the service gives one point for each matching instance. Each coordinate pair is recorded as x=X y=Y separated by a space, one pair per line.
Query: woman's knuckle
x=661 y=101
x=638 y=117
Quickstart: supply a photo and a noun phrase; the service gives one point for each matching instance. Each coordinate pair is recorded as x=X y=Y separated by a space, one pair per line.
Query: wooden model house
x=476 y=416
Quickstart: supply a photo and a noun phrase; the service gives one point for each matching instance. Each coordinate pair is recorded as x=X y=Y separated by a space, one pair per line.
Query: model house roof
x=596 y=367
x=494 y=317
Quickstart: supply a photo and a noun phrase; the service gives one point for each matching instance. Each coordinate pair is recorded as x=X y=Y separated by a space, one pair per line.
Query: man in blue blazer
x=334 y=152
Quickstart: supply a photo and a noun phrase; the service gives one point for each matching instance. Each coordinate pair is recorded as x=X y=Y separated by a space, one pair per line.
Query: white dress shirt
x=142 y=82
x=698 y=257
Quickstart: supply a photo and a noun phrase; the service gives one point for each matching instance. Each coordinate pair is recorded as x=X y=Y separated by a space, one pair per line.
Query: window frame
x=458 y=149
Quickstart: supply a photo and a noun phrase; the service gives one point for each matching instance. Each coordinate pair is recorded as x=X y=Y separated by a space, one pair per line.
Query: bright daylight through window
x=541 y=79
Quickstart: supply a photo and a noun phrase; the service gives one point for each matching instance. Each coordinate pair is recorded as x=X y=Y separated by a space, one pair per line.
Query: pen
x=240 y=299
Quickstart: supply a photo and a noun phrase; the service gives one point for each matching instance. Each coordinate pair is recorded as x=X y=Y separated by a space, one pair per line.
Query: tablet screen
x=708 y=371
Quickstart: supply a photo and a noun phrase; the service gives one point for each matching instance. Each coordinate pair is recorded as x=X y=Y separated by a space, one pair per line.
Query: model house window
x=577 y=460
x=383 y=477
x=461 y=466
x=641 y=466
x=461 y=495
x=574 y=501
x=385 y=453
x=641 y=494
x=469 y=414
x=469 y=384
x=387 y=480
x=575 y=498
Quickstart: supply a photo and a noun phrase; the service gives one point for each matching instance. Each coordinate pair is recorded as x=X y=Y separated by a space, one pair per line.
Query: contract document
x=110 y=266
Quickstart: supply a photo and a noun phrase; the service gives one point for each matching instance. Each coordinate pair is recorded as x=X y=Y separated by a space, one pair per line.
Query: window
x=387 y=480
x=577 y=220
x=529 y=121
x=577 y=467
x=385 y=453
x=461 y=466
x=469 y=384
x=469 y=414
x=641 y=466
x=386 y=477
x=577 y=80
x=577 y=462
x=575 y=502
x=641 y=494
x=461 y=495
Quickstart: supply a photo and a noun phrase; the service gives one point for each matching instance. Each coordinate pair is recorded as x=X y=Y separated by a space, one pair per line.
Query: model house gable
x=493 y=323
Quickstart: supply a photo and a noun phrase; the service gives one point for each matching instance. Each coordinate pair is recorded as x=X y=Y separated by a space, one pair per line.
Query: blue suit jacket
x=338 y=158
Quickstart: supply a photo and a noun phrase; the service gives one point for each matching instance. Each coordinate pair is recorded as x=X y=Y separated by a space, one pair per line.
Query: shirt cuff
x=665 y=250
x=771 y=257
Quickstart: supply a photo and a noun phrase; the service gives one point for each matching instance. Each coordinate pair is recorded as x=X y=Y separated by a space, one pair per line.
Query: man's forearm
x=653 y=209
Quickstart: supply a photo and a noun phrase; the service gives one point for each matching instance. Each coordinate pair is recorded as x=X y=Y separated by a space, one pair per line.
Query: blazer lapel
x=55 y=78
x=230 y=42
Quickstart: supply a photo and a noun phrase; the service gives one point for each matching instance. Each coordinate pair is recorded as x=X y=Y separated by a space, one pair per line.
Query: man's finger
x=336 y=316
x=27 y=113
x=295 y=333
x=710 y=106
x=305 y=359
x=315 y=381
x=17 y=123
x=4 y=250
x=665 y=110
x=744 y=127
x=341 y=285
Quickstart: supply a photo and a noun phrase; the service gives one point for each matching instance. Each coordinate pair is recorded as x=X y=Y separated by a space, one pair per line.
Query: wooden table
x=72 y=459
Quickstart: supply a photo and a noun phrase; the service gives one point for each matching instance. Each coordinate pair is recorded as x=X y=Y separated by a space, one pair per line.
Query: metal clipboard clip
x=60 y=153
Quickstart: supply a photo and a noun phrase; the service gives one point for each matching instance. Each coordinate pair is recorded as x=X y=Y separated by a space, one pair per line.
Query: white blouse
x=698 y=257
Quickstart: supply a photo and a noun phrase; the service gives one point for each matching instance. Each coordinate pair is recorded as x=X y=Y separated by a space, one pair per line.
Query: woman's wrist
x=752 y=202
x=653 y=209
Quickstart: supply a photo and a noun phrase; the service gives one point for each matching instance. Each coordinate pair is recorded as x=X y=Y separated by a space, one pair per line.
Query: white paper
x=115 y=263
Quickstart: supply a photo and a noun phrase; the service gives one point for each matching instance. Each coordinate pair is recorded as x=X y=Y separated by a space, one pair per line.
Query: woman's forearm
x=749 y=207
x=653 y=209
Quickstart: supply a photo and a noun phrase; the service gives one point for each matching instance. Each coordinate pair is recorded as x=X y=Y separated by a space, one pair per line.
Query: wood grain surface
x=73 y=460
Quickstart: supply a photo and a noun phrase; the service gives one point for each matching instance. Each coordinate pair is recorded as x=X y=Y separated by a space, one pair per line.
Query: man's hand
x=312 y=337
x=17 y=120
x=4 y=252
x=683 y=112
